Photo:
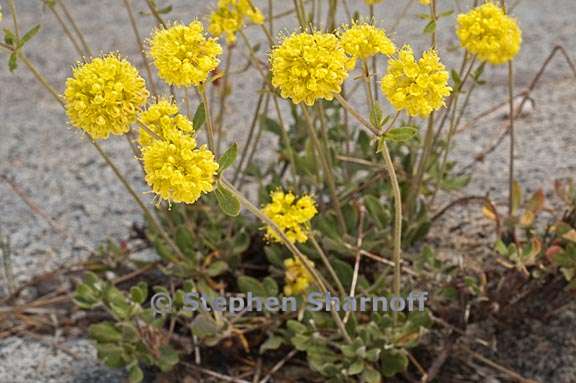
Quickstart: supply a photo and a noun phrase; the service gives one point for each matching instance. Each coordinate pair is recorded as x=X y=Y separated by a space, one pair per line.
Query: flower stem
x=141 y=47
x=209 y=121
x=328 y=265
x=253 y=124
x=153 y=221
x=356 y=115
x=67 y=32
x=223 y=95
x=397 y=195
x=397 y=251
x=107 y=159
x=154 y=11
x=416 y=183
x=75 y=27
x=511 y=160
x=12 y=7
x=327 y=170
x=291 y=247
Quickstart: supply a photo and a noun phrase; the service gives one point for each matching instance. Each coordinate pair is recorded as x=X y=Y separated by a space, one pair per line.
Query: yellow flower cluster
x=183 y=54
x=297 y=278
x=292 y=215
x=309 y=66
x=364 y=40
x=103 y=96
x=229 y=18
x=486 y=31
x=420 y=86
x=175 y=168
x=164 y=119
x=372 y=2
x=425 y=2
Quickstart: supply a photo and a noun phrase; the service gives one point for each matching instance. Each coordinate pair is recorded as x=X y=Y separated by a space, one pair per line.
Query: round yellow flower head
x=229 y=18
x=104 y=95
x=183 y=55
x=164 y=119
x=362 y=41
x=309 y=66
x=297 y=278
x=177 y=171
x=425 y=2
x=372 y=2
x=486 y=31
x=420 y=86
x=291 y=214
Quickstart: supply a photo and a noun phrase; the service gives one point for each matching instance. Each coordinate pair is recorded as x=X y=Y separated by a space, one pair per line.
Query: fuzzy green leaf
x=228 y=158
x=227 y=201
x=199 y=117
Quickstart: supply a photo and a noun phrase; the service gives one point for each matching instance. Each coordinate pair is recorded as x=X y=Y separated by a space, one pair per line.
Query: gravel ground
x=54 y=166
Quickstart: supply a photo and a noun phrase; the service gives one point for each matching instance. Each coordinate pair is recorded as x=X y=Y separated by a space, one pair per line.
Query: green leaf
x=455 y=183
x=271 y=286
x=165 y=10
x=274 y=256
x=12 y=65
x=371 y=375
x=228 y=158
x=112 y=355
x=344 y=271
x=375 y=210
x=139 y=293
x=363 y=141
x=248 y=284
x=204 y=326
x=217 y=268
x=501 y=248
x=135 y=374
x=326 y=224
x=430 y=27
x=376 y=116
x=227 y=201
x=9 y=37
x=402 y=134
x=271 y=125
x=295 y=326
x=356 y=368
x=168 y=358
x=272 y=343
x=105 y=332
x=456 y=78
x=184 y=240
x=393 y=362
x=199 y=117
x=28 y=35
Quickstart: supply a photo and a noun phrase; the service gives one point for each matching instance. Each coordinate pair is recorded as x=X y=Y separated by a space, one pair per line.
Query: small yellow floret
x=420 y=86
x=230 y=17
x=104 y=95
x=291 y=214
x=309 y=66
x=177 y=171
x=183 y=54
x=362 y=41
x=297 y=278
x=164 y=119
x=372 y=2
x=486 y=31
